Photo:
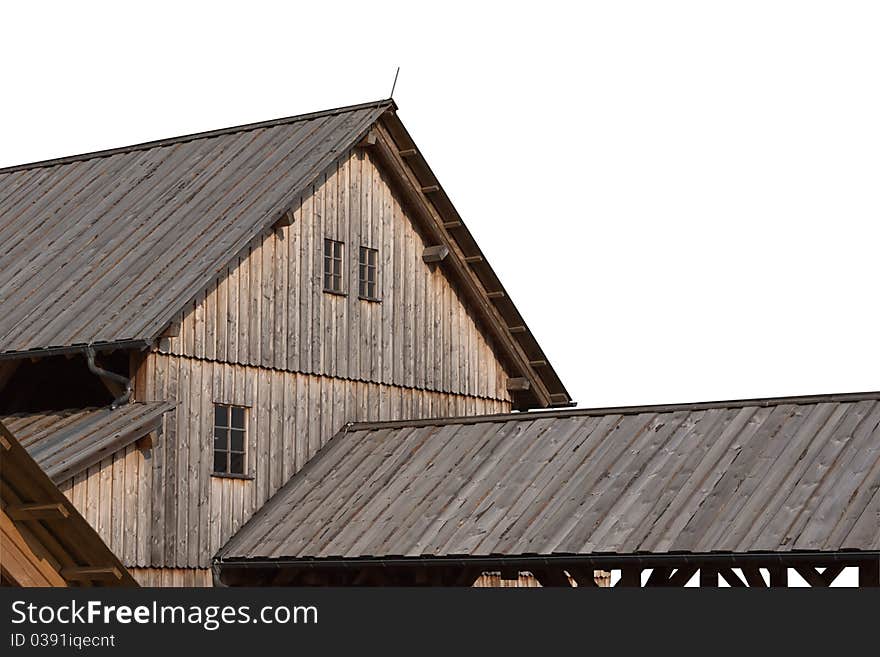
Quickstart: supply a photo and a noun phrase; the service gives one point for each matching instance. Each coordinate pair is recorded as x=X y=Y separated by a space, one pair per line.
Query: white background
x=681 y=197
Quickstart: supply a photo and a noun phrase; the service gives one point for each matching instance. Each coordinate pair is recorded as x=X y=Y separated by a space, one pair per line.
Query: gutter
x=107 y=375
x=601 y=561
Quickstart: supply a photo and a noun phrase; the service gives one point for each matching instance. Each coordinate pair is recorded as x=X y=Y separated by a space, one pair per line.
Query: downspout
x=112 y=376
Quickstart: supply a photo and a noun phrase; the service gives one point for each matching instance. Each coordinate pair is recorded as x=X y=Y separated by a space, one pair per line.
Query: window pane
x=236 y=440
x=372 y=257
x=219 y=461
x=328 y=247
x=236 y=463
x=220 y=414
x=238 y=417
x=219 y=438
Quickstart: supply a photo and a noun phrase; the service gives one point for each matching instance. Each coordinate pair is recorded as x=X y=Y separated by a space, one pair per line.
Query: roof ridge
x=207 y=134
x=620 y=410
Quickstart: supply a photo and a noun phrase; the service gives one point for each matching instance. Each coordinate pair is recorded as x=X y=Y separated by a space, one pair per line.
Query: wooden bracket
x=430 y=189
x=498 y=294
x=516 y=329
x=369 y=140
x=285 y=220
x=146 y=442
x=407 y=152
x=81 y=573
x=173 y=329
x=452 y=224
x=54 y=511
x=538 y=363
x=518 y=384
x=435 y=253
x=473 y=259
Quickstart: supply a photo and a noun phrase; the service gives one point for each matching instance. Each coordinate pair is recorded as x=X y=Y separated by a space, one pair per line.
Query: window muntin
x=367 y=274
x=230 y=439
x=333 y=266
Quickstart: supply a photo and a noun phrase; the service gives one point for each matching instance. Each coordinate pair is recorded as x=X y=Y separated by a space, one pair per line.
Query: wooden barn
x=274 y=354
x=258 y=288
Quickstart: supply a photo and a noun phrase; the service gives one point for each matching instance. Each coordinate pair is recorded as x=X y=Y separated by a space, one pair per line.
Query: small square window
x=230 y=439
x=367 y=274
x=333 y=266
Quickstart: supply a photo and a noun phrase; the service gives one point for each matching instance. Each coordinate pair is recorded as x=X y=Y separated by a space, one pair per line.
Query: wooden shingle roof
x=773 y=475
x=107 y=247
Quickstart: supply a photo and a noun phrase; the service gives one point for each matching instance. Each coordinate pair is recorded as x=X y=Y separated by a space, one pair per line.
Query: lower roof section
x=767 y=476
x=65 y=443
x=42 y=530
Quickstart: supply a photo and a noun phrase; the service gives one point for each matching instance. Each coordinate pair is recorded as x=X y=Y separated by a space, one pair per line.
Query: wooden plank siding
x=179 y=577
x=291 y=417
x=268 y=307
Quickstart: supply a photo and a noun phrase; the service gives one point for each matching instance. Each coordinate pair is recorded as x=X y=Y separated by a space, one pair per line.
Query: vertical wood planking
x=268 y=308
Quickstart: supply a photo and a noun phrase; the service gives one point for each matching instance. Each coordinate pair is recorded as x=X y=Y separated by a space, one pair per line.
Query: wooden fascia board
x=473 y=287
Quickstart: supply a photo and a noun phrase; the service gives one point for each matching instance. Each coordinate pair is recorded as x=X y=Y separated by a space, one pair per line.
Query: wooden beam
x=5 y=444
x=7 y=370
x=145 y=443
x=435 y=253
x=518 y=384
x=53 y=511
x=585 y=577
x=286 y=220
x=407 y=152
x=708 y=577
x=778 y=577
x=812 y=577
x=497 y=294
x=472 y=260
x=452 y=224
x=659 y=577
x=369 y=140
x=538 y=363
x=682 y=576
x=869 y=574
x=81 y=573
x=516 y=329
x=173 y=329
x=732 y=579
x=430 y=189
x=630 y=577
x=754 y=578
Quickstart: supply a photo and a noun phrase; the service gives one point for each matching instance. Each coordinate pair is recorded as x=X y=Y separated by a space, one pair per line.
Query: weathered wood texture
x=164 y=509
x=188 y=577
x=526 y=580
x=23 y=560
x=268 y=307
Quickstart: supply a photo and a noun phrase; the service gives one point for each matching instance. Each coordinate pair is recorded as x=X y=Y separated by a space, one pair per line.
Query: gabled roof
x=74 y=547
x=65 y=443
x=777 y=475
x=106 y=248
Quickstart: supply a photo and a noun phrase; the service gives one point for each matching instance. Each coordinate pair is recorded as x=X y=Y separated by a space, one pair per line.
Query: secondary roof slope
x=64 y=443
x=107 y=247
x=799 y=473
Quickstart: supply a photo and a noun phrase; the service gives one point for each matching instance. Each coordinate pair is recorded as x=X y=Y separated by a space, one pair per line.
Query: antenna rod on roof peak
x=394 y=84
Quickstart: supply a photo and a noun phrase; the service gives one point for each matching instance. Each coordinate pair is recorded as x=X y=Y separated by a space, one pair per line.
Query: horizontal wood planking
x=268 y=308
x=164 y=509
